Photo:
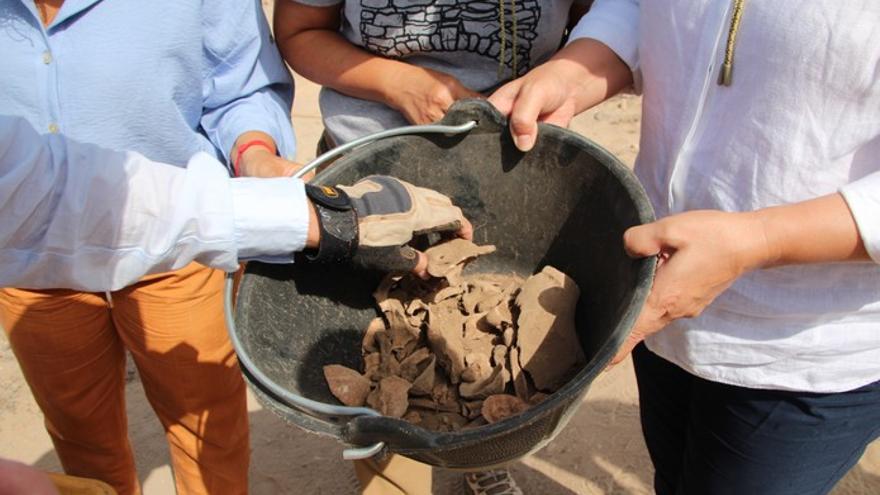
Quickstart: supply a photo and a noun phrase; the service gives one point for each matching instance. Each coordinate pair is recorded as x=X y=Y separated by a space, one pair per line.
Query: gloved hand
x=388 y=212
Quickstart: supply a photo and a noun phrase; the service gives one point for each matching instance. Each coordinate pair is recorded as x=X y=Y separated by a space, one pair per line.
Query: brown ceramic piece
x=347 y=385
x=549 y=349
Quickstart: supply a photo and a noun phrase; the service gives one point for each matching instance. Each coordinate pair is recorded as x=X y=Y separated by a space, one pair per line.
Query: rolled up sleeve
x=863 y=198
x=616 y=24
x=248 y=87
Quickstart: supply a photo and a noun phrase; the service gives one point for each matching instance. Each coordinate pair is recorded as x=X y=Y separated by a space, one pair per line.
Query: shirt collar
x=69 y=9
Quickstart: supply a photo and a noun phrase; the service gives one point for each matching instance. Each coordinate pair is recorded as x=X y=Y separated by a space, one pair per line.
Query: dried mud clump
x=459 y=351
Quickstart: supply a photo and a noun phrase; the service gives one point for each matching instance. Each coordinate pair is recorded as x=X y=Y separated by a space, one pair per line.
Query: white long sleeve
x=616 y=24
x=78 y=216
x=863 y=198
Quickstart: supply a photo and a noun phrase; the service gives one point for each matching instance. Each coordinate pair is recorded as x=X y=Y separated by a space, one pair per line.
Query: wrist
x=397 y=82
x=765 y=251
x=251 y=152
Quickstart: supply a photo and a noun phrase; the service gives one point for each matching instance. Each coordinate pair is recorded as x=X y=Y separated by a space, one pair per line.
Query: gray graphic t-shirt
x=482 y=43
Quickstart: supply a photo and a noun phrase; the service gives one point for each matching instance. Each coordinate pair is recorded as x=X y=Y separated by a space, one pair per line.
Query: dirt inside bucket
x=463 y=350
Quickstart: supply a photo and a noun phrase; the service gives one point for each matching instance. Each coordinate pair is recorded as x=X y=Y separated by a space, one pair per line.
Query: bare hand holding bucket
x=702 y=253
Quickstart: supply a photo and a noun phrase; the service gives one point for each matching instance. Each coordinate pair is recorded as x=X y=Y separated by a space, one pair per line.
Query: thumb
x=632 y=340
x=642 y=240
x=504 y=97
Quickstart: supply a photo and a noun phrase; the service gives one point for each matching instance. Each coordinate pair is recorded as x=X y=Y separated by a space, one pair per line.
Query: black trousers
x=708 y=438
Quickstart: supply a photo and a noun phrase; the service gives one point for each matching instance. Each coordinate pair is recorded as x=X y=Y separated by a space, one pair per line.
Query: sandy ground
x=600 y=452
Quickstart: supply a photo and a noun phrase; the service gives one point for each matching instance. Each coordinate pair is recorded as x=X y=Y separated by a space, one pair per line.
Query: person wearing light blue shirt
x=169 y=80
x=133 y=216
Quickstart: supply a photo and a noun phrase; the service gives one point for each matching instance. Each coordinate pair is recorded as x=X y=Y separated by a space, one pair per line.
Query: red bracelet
x=244 y=147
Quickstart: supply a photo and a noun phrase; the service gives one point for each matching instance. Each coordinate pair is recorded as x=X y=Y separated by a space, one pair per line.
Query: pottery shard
x=381 y=292
x=369 y=341
x=481 y=297
x=430 y=405
x=520 y=382
x=347 y=385
x=372 y=364
x=416 y=311
x=390 y=397
x=500 y=406
x=500 y=316
x=478 y=368
x=445 y=327
x=549 y=349
x=412 y=366
x=442 y=421
x=447 y=293
x=494 y=384
x=443 y=258
x=404 y=337
x=424 y=383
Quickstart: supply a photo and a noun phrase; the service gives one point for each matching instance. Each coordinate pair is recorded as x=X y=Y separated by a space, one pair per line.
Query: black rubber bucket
x=566 y=203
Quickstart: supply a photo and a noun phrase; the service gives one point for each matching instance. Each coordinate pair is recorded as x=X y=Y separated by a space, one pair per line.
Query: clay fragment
x=445 y=323
x=447 y=293
x=492 y=301
x=404 y=337
x=390 y=397
x=413 y=416
x=499 y=355
x=443 y=421
x=445 y=257
x=471 y=409
x=413 y=365
x=499 y=316
x=478 y=368
x=469 y=326
x=520 y=381
x=549 y=349
x=347 y=385
x=430 y=405
x=498 y=407
x=508 y=337
x=445 y=395
x=494 y=384
x=369 y=342
x=372 y=363
x=385 y=286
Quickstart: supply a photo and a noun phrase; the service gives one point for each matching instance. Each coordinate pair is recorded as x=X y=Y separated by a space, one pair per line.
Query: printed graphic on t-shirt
x=503 y=30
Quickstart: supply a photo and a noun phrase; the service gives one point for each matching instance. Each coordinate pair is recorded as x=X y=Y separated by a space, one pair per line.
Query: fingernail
x=523 y=142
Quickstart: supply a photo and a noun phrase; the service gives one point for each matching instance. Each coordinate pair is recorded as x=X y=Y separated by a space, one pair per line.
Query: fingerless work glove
x=371 y=222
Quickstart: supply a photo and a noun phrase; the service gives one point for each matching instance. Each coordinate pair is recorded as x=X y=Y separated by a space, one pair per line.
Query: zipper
x=697 y=123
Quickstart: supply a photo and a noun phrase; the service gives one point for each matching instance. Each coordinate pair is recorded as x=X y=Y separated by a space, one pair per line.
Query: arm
x=247 y=93
x=83 y=217
x=80 y=216
x=702 y=253
x=596 y=64
x=310 y=41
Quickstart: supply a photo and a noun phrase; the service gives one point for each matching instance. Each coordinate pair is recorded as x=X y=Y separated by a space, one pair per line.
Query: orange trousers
x=71 y=348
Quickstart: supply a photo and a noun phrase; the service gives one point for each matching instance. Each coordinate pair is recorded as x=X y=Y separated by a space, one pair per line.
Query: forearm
x=820 y=230
x=318 y=52
x=593 y=71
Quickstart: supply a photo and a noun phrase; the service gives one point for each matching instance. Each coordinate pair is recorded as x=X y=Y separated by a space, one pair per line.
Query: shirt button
x=47 y=57
x=53 y=128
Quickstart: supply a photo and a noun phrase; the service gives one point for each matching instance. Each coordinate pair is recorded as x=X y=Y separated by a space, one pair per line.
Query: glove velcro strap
x=338 y=224
x=394 y=259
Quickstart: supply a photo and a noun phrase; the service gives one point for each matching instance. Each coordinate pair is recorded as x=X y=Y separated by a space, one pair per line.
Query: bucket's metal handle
x=398 y=131
x=283 y=395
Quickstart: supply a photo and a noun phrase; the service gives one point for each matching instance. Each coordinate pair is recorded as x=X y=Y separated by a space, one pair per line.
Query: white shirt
x=801 y=120
x=78 y=216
